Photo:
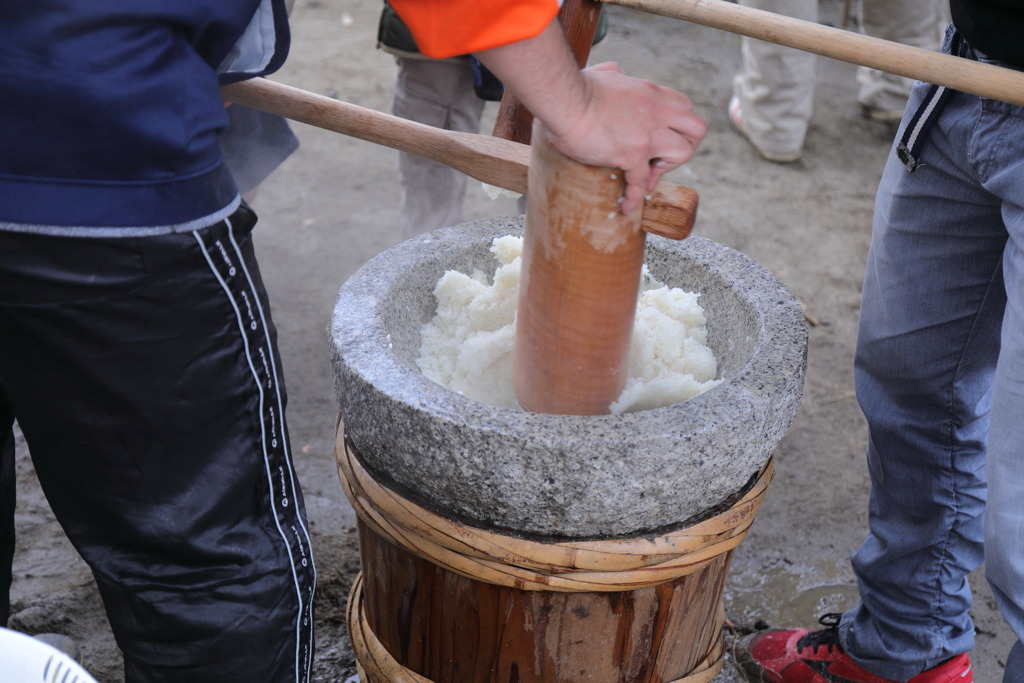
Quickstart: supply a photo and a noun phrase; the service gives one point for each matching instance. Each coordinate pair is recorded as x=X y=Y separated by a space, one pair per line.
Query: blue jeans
x=940 y=377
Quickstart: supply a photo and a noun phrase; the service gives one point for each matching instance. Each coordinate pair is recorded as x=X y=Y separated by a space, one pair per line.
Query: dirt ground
x=333 y=205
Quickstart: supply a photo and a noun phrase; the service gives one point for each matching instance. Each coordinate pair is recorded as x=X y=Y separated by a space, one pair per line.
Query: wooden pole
x=670 y=211
x=960 y=74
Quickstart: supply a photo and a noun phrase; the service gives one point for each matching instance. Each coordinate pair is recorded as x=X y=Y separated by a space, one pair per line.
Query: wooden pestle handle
x=669 y=212
x=579 y=20
x=578 y=293
x=581 y=263
x=957 y=73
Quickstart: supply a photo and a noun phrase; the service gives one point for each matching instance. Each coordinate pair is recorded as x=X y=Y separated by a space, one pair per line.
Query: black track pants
x=145 y=377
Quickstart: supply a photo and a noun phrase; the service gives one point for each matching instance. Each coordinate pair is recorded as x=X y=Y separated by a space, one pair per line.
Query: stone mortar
x=565 y=476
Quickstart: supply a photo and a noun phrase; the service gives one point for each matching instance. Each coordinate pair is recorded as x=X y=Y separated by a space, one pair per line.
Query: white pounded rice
x=468 y=345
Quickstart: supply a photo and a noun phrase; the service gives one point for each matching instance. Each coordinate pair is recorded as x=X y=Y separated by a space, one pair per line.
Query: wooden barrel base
x=440 y=601
x=411 y=620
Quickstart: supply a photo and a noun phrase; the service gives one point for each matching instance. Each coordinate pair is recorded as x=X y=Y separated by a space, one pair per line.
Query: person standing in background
x=450 y=94
x=435 y=92
x=773 y=93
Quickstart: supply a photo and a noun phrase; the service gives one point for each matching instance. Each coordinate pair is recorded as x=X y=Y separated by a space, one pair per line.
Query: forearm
x=599 y=116
x=542 y=72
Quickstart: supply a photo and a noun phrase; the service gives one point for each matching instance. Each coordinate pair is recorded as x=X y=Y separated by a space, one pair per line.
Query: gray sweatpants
x=440 y=94
x=775 y=84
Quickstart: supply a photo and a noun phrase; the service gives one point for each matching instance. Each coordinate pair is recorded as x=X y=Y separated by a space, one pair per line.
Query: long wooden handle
x=498 y=162
x=960 y=74
x=669 y=212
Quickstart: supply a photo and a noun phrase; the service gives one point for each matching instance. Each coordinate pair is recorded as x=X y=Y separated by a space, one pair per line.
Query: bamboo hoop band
x=373 y=661
x=375 y=664
x=587 y=566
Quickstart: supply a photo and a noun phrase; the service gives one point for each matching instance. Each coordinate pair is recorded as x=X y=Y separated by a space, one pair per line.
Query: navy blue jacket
x=110 y=109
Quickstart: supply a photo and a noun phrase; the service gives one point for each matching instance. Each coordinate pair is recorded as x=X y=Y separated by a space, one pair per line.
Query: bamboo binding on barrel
x=375 y=664
x=525 y=564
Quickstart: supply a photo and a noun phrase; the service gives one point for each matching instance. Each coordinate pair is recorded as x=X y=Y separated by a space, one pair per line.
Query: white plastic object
x=27 y=660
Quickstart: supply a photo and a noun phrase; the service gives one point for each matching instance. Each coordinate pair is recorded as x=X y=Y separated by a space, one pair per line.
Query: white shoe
x=879 y=114
x=736 y=117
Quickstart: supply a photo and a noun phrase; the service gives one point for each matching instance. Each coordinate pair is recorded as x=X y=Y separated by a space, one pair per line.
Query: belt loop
x=917 y=129
x=916 y=132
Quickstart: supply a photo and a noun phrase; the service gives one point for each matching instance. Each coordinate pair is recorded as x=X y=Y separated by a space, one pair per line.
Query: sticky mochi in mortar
x=467 y=346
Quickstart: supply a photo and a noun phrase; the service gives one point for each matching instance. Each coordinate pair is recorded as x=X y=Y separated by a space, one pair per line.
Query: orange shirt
x=446 y=28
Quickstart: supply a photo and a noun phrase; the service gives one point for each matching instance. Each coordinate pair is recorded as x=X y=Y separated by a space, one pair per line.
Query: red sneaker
x=805 y=656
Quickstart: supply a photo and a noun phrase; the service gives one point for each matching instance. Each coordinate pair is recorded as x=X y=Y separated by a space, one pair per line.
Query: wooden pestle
x=581 y=261
x=580 y=280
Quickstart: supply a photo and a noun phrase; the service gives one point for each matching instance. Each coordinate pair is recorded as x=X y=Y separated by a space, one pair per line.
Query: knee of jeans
x=884 y=359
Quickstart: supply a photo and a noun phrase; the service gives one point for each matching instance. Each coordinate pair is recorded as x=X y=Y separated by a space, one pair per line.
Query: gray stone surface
x=562 y=475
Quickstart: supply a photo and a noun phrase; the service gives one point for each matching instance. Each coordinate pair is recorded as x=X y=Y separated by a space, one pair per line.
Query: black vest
x=994 y=27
